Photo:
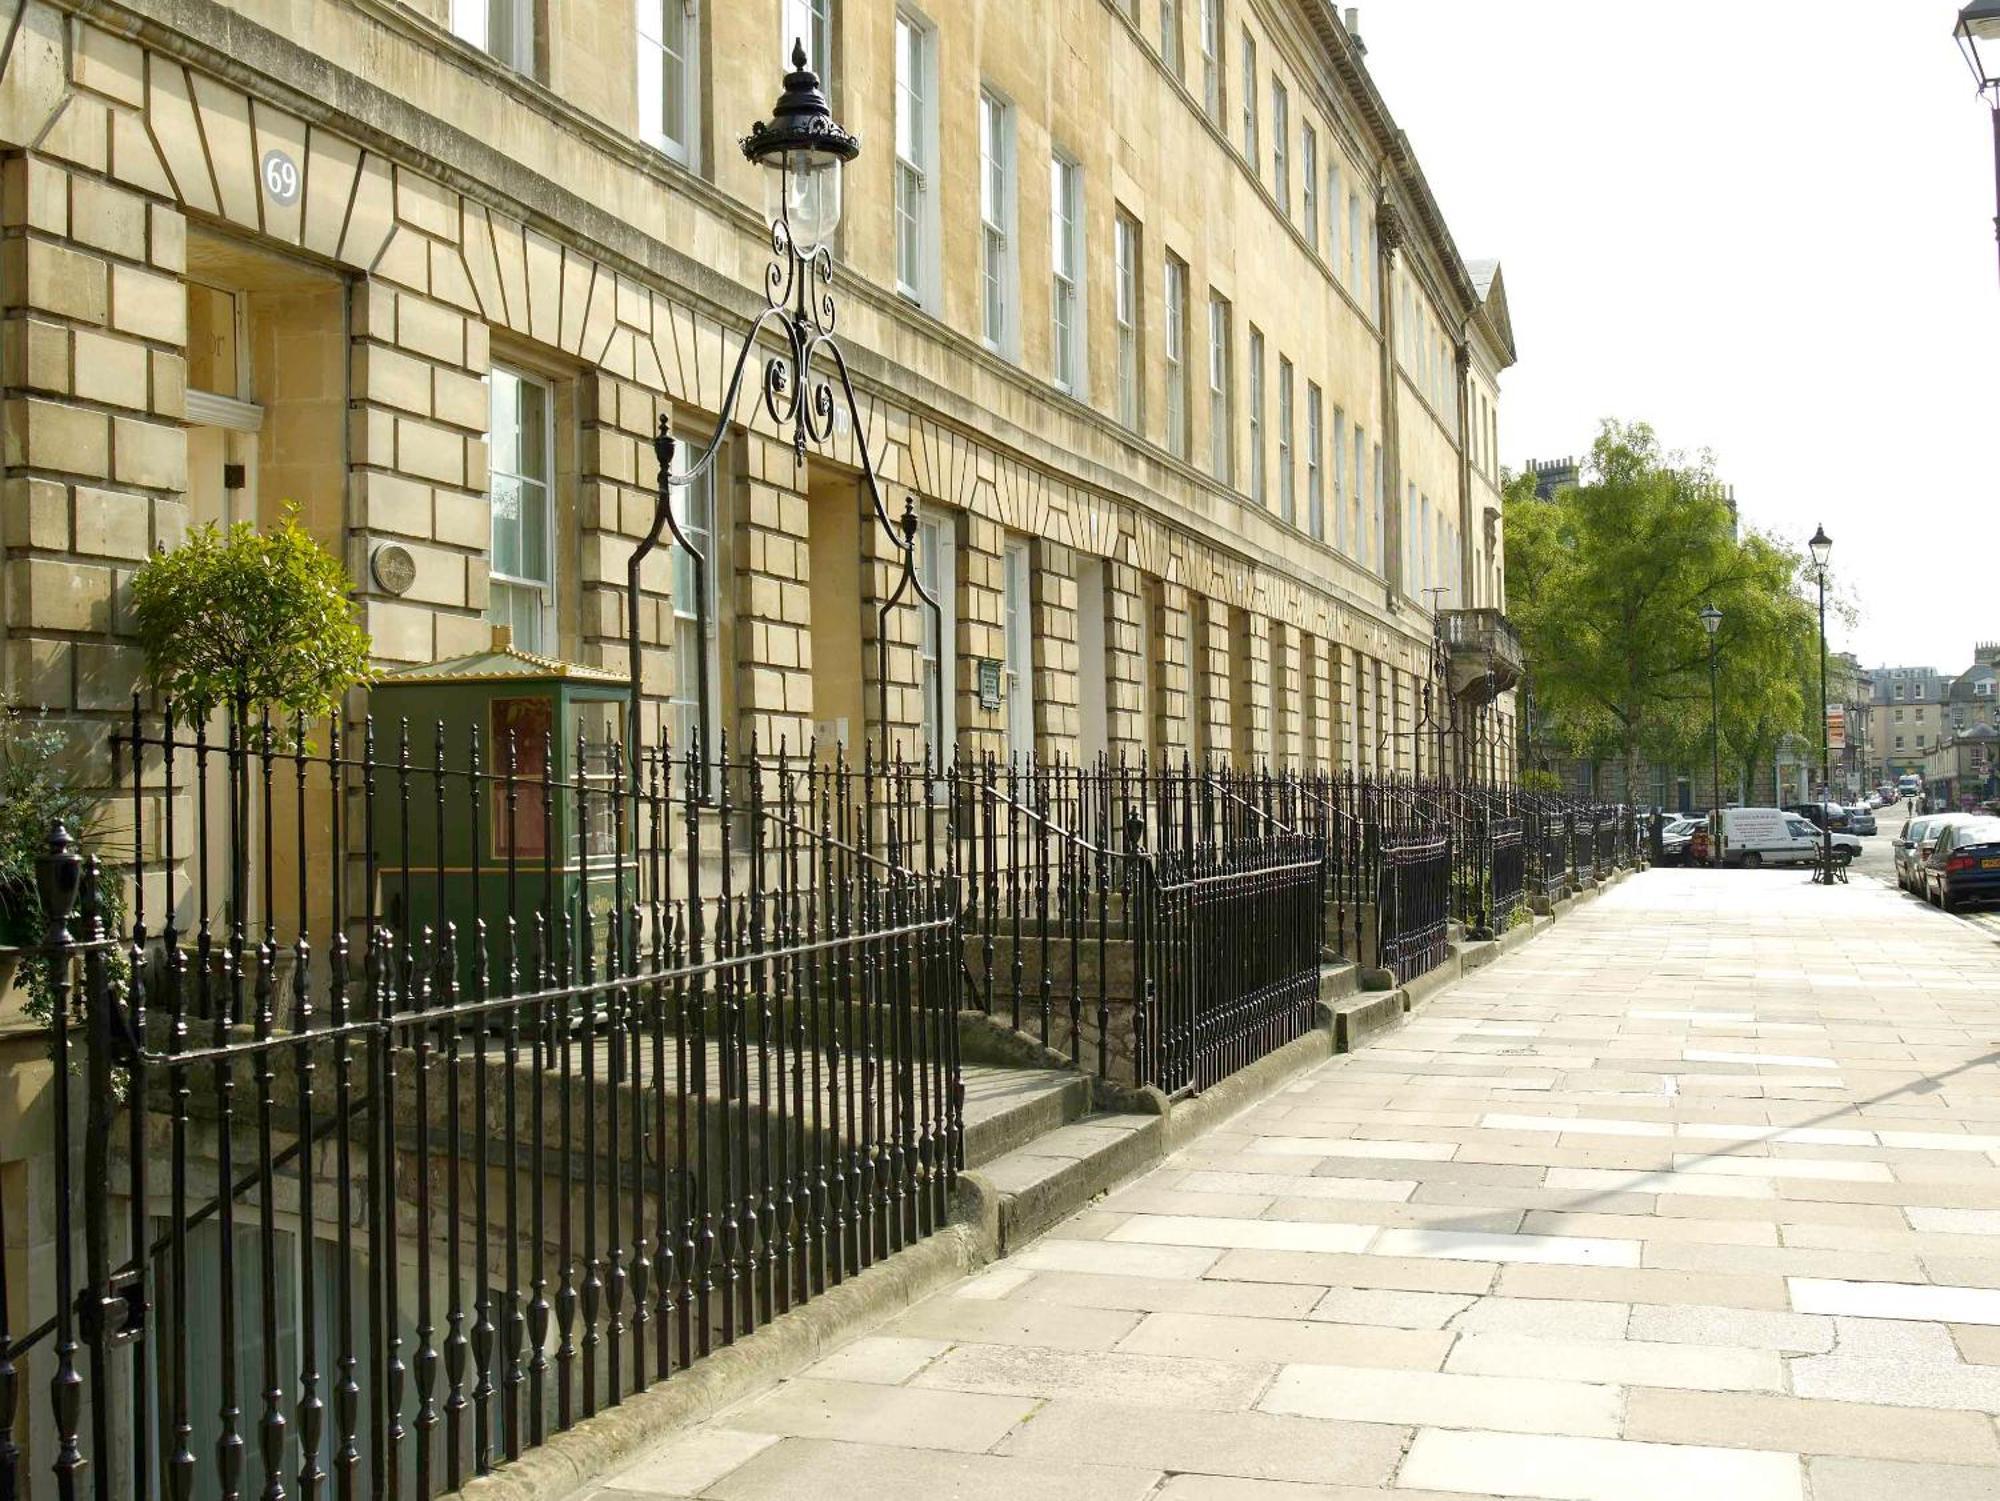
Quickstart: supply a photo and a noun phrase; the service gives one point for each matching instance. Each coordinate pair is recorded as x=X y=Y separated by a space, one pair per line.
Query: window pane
x=506 y=557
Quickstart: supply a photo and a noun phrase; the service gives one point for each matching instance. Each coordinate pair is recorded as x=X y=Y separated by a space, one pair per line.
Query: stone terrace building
x=1197 y=397
x=1162 y=329
x=1907 y=717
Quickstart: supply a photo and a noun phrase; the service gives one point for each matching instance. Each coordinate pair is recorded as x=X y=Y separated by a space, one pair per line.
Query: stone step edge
x=1063 y=1099
x=570 y=1461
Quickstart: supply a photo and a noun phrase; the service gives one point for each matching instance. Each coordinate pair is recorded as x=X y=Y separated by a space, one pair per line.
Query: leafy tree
x=233 y=618
x=1606 y=583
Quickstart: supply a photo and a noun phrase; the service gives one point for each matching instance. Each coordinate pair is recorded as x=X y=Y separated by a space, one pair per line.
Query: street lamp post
x=1711 y=621
x=803 y=384
x=1822 y=549
x=1978 y=33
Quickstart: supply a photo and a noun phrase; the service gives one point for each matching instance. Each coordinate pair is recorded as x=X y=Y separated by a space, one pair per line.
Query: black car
x=1824 y=815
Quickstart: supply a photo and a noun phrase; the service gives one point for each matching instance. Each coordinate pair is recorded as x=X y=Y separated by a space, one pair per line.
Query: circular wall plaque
x=395 y=570
x=281 y=177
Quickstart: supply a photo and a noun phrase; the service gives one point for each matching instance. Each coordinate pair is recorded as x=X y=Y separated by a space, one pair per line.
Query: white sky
x=1765 y=227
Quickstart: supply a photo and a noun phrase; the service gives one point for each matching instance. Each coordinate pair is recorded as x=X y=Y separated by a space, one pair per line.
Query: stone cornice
x=1401 y=168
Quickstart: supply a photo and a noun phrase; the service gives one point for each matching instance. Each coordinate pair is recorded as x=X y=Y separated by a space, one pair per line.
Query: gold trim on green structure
x=503 y=662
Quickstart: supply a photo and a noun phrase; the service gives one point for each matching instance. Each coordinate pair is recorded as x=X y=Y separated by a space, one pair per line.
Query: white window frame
x=1018 y=665
x=1315 y=461
x=1341 y=540
x=661 y=70
x=472 y=21
x=811 y=22
x=1378 y=517
x=1336 y=195
x=1288 y=491
x=1256 y=414
x=1067 y=301
x=514 y=585
x=916 y=128
x=1221 y=420
x=1128 y=292
x=1214 y=67
x=1281 y=145
x=1179 y=424
x=1173 y=46
x=1354 y=283
x=695 y=509
x=1250 y=146
x=937 y=655
x=999 y=282
x=1358 y=500
x=1309 y=183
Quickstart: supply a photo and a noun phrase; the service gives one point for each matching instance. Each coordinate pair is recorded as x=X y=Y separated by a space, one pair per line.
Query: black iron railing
x=1509 y=870
x=431 y=1104
x=1414 y=902
x=418 y=1097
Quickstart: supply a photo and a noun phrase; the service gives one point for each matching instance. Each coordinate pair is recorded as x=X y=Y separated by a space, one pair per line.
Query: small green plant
x=39 y=787
x=1521 y=917
x=234 y=619
x=1535 y=780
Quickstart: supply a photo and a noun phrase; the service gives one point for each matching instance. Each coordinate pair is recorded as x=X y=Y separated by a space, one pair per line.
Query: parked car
x=1962 y=864
x=1826 y=815
x=1861 y=820
x=1772 y=836
x=1915 y=842
x=1676 y=838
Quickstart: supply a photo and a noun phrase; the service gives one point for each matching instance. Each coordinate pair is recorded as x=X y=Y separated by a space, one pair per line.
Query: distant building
x=1555 y=475
x=1552 y=475
x=1906 y=718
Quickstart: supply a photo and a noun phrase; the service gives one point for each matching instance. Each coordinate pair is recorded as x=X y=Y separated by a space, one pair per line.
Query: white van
x=1771 y=836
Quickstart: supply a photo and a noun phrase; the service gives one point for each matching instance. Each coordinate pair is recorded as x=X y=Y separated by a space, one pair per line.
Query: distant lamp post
x=1711 y=621
x=1822 y=549
x=1978 y=33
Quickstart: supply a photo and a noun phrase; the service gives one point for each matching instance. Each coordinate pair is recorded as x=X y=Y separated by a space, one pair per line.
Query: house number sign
x=281 y=177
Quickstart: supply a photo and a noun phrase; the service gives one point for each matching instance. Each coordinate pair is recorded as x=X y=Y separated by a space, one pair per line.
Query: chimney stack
x=1354 y=29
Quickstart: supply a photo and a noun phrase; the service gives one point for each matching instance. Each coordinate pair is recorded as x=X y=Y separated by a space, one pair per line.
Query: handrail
x=1230 y=792
x=992 y=790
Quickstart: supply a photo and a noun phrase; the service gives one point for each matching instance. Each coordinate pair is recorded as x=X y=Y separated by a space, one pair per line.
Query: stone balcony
x=1484 y=653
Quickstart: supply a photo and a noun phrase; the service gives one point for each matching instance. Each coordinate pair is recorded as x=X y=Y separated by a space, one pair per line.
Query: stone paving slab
x=1697 y=1197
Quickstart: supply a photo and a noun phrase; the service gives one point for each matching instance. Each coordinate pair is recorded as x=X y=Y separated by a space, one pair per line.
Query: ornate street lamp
x=1711 y=621
x=803 y=150
x=1822 y=549
x=1978 y=33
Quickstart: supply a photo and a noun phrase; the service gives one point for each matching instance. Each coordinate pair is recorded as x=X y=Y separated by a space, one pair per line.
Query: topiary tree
x=234 y=619
x=243 y=621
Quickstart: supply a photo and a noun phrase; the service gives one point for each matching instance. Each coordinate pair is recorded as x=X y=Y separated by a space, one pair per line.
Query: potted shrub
x=245 y=621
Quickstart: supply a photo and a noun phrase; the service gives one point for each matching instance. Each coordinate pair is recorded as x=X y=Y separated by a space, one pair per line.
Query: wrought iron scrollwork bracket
x=800 y=310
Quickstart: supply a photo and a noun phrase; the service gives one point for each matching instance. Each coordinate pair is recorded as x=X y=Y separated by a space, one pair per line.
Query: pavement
x=1696 y=1196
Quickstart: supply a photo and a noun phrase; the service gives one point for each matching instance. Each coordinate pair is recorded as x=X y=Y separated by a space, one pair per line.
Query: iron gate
x=361 y=1196
x=1229 y=955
